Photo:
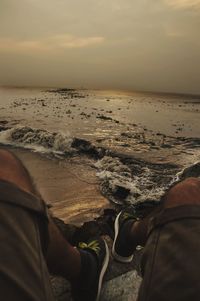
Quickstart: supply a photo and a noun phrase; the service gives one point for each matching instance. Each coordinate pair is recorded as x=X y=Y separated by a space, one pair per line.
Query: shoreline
x=65 y=186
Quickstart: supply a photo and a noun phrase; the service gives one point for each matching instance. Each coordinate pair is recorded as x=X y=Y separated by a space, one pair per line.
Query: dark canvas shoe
x=94 y=262
x=121 y=249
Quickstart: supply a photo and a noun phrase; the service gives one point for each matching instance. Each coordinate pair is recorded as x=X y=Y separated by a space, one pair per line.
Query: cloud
x=183 y=4
x=175 y=34
x=51 y=43
x=68 y=41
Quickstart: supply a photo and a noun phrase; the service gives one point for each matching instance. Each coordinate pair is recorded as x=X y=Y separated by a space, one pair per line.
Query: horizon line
x=100 y=89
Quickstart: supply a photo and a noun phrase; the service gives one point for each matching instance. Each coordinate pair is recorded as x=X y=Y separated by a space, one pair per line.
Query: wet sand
x=73 y=197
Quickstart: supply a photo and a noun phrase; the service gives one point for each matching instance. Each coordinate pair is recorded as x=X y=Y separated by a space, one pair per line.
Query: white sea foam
x=36 y=139
x=139 y=186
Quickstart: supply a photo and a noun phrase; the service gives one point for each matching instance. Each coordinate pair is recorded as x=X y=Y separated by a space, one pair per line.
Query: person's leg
x=61 y=257
x=171 y=258
x=23 y=235
x=84 y=266
x=135 y=231
x=186 y=192
x=13 y=171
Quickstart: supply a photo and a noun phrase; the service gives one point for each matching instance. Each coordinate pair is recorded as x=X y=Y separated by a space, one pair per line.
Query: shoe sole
x=103 y=270
x=116 y=256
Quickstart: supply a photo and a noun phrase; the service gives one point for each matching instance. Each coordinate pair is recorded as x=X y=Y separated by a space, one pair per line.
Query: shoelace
x=93 y=245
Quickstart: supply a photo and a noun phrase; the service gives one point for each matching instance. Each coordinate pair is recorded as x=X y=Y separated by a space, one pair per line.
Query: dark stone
x=86 y=147
x=166 y=145
x=81 y=143
x=192 y=171
x=104 y=117
x=61 y=90
x=3 y=128
x=3 y=122
x=121 y=192
x=103 y=225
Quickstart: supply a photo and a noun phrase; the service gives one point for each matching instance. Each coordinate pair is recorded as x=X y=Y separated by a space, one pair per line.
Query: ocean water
x=138 y=143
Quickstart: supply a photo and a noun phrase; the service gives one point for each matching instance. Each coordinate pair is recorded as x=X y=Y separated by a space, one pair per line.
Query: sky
x=148 y=45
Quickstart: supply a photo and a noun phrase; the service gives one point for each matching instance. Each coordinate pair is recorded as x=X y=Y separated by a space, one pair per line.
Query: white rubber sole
x=105 y=265
x=116 y=256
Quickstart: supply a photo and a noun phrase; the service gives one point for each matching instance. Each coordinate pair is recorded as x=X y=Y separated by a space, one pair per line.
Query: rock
x=3 y=122
x=121 y=193
x=192 y=142
x=61 y=288
x=84 y=146
x=122 y=288
x=104 y=117
x=67 y=93
x=164 y=145
x=3 y=128
x=192 y=171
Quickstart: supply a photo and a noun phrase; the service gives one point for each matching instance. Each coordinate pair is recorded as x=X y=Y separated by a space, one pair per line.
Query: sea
x=138 y=143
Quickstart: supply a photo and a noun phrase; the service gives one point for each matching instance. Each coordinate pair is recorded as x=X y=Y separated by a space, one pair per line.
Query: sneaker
x=94 y=261
x=121 y=249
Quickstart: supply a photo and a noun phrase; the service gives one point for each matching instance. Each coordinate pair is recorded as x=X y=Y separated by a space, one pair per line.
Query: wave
x=41 y=140
x=132 y=183
x=123 y=179
x=141 y=181
x=35 y=139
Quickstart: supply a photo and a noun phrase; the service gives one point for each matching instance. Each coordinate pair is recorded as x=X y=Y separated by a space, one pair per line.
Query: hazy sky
x=124 y=44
